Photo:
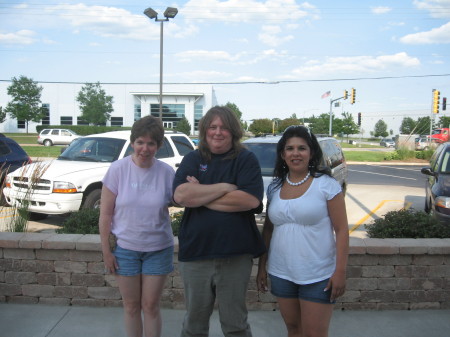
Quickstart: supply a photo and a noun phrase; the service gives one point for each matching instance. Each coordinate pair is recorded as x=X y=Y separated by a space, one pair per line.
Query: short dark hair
x=229 y=120
x=148 y=126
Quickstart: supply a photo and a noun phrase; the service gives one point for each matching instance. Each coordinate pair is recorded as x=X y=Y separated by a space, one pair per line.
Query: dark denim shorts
x=132 y=263
x=309 y=292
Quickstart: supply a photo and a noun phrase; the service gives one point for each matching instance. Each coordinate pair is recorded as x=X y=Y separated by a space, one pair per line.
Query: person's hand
x=337 y=285
x=261 y=280
x=192 y=179
x=110 y=263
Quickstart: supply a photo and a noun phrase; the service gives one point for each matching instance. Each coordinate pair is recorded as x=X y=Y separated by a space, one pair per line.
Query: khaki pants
x=223 y=279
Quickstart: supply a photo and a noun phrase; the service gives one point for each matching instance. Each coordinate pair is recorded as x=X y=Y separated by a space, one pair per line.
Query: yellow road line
x=372 y=212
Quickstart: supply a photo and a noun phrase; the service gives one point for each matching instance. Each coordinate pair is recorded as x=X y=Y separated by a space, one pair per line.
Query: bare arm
x=261 y=277
x=108 y=199
x=338 y=215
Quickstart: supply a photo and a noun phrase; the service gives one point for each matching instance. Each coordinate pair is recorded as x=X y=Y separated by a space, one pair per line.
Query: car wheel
x=426 y=148
x=93 y=199
x=48 y=142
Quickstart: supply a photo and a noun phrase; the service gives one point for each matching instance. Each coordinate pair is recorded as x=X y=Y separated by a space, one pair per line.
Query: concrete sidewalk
x=38 y=320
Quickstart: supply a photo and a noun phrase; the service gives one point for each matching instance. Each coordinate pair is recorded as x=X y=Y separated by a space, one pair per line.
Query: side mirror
x=427 y=171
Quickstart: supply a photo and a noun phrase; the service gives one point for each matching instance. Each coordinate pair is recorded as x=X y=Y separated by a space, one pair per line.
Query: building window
x=171 y=113
x=21 y=124
x=116 y=121
x=198 y=114
x=81 y=121
x=137 y=112
x=66 y=120
x=46 y=119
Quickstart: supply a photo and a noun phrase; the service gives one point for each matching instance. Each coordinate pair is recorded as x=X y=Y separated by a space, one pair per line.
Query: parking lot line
x=372 y=212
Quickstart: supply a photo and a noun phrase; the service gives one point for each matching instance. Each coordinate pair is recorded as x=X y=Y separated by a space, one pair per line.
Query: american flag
x=325 y=95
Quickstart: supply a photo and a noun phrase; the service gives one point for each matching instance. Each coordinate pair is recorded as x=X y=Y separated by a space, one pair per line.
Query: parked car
x=49 y=137
x=425 y=143
x=437 y=189
x=73 y=180
x=387 y=142
x=265 y=149
x=12 y=157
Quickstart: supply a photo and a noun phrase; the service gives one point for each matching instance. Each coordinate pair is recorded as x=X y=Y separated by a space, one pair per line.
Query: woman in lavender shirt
x=134 y=208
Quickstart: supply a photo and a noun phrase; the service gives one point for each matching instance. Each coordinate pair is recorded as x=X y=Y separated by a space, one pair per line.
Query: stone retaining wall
x=67 y=269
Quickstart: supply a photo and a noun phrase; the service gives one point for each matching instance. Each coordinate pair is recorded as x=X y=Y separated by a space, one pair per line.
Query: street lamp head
x=151 y=13
x=170 y=12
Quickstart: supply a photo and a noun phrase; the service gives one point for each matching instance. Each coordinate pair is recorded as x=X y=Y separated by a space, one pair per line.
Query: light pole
x=169 y=13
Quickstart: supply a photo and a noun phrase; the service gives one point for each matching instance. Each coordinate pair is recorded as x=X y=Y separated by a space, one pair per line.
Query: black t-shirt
x=207 y=234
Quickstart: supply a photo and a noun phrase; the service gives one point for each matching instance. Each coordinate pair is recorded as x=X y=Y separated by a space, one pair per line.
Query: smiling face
x=296 y=154
x=145 y=149
x=218 y=137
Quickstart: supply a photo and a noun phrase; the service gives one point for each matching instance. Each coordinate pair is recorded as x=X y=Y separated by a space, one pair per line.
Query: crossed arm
x=223 y=197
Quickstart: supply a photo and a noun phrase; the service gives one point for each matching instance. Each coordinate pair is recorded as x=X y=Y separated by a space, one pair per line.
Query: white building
x=130 y=102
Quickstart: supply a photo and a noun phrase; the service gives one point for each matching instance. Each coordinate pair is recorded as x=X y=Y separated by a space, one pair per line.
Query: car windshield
x=266 y=154
x=93 y=149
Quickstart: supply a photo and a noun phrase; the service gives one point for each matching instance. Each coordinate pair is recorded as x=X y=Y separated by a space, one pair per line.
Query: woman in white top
x=306 y=233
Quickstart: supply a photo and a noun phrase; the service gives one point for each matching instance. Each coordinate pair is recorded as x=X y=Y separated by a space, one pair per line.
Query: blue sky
x=271 y=58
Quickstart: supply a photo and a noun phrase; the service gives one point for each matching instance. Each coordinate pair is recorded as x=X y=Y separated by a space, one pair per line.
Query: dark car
x=437 y=189
x=12 y=156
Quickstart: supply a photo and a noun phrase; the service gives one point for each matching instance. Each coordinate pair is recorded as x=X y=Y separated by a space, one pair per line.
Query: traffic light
x=353 y=96
x=444 y=103
x=436 y=94
x=345 y=94
x=359 y=118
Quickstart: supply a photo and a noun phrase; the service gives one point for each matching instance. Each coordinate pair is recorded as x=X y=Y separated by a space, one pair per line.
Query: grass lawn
x=42 y=151
x=369 y=156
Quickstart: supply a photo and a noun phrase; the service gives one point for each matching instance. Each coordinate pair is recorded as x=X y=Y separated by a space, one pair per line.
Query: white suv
x=49 y=137
x=73 y=180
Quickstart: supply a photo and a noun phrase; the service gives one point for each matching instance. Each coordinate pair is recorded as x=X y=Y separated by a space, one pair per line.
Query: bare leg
x=130 y=289
x=152 y=287
x=290 y=311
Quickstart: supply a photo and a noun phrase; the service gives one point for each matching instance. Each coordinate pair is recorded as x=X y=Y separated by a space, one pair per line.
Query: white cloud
x=246 y=10
x=436 y=35
x=199 y=55
x=270 y=36
x=380 y=10
x=23 y=37
x=356 y=64
x=436 y=8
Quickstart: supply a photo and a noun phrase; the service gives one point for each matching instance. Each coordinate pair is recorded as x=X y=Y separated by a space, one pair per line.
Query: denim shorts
x=309 y=292
x=132 y=263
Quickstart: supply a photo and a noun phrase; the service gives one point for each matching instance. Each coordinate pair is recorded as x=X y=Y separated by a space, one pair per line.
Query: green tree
x=184 y=126
x=408 y=125
x=444 y=122
x=26 y=100
x=2 y=115
x=235 y=109
x=380 y=129
x=349 y=127
x=95 y=105
x=261 y=126
x=285 y=123
x=321 y=124
x=423 y=125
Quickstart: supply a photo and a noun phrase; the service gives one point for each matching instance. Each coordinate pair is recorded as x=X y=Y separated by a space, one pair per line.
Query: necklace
x=299 y=183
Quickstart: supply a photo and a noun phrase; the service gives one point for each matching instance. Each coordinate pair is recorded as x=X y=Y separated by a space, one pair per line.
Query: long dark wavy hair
x=315 y=169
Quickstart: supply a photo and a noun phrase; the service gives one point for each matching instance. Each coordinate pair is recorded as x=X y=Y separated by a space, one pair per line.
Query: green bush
x=407 y=224
x=85 y=221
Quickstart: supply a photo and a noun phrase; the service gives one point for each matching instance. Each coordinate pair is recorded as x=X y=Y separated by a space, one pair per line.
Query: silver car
x=49 y=137
x=265 y=149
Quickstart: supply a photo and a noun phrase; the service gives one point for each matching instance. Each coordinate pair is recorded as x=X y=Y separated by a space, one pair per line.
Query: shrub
x=407 y=224
x=85 y=221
